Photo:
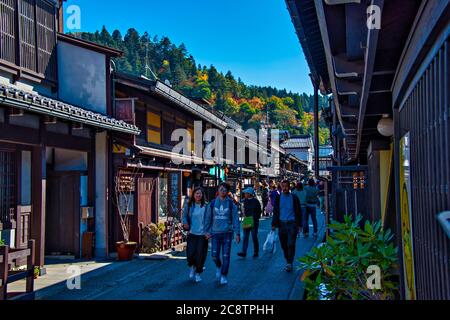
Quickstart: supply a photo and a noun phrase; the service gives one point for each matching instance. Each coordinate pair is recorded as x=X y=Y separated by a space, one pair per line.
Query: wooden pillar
x=39 y=184
x=397 y=164
x=4 y=267
x=316 y=129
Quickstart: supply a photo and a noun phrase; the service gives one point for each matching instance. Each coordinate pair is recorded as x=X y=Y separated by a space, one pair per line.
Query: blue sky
x=255 y=39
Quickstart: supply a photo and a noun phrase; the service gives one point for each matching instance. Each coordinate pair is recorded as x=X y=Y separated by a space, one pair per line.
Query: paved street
x=262 y=278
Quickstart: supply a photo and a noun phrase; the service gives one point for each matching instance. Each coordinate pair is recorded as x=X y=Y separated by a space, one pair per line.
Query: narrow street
x=249 y=279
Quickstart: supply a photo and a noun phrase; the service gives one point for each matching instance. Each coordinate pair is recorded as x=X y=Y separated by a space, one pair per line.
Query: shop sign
x=405 y=200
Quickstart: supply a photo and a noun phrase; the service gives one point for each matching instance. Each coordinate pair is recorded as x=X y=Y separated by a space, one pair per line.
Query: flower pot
x=125 y=251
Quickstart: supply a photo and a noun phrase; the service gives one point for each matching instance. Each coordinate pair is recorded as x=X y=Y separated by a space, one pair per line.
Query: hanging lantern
x=386 y=126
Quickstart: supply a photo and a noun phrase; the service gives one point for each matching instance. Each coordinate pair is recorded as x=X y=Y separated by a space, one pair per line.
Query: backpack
x=311 y=195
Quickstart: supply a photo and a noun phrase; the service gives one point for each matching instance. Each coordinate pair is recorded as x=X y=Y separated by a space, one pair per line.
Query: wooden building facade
x=53 y=133
x=161 y=185
x=390 y=120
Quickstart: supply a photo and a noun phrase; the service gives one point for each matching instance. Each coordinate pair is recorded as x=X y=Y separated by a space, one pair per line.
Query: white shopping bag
x=270 y=244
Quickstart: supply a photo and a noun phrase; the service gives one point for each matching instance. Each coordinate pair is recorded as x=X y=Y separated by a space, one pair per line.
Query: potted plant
x=342 y=267
x=37 y=272
x=124 y=198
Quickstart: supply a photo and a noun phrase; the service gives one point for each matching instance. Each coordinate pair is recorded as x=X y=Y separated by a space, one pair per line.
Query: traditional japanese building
x=55 y=126
x=162 y=178
x=386 y=64
x=300 y=146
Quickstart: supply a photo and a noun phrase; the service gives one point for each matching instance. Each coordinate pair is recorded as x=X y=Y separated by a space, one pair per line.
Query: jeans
x=322 y=203
x=311 y=210
x=254 y=232
x=222 y=242
x=304 y=219
x=288 y=237
x=197 y=250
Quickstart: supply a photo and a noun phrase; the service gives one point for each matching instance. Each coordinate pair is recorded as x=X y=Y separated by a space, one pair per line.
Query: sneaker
x=288 y=268
x=242 y=255
x=192 y=273
x=223 y=280
x=198 y=278
x=218 y=273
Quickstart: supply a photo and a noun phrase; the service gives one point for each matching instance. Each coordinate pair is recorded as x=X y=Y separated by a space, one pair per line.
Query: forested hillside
x=247 y=104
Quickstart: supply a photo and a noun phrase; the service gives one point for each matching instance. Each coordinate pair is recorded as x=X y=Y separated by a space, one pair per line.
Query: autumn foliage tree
x=246 y=104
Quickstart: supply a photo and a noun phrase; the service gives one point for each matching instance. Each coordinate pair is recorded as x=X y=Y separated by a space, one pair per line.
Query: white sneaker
x=218 y=273
x=192 y=273
x=223 y=280
x=198 y=278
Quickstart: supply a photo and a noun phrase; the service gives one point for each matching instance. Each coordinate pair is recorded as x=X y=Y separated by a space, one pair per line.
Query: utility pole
x=316 y=127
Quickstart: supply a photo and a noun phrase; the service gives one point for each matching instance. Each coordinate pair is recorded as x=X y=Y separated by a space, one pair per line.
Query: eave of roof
x=90 y=45
x=304 y=18
x=164 y=91
x=34 y=102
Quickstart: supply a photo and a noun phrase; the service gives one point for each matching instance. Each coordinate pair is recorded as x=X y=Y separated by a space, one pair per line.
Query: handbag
x=269 y=208
x=248 y=223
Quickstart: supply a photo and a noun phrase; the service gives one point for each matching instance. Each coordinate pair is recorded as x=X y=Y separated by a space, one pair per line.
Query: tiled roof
x=34 y=102
x=299 y=142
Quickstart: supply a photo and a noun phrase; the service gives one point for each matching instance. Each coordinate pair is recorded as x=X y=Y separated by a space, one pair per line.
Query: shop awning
x=33 y=102
x=171 y=155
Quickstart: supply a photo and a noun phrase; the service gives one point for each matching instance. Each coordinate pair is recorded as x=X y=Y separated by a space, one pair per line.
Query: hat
x=249 y=190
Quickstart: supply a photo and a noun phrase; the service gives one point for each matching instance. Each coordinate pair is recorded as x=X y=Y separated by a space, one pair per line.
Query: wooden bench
x=9 y=258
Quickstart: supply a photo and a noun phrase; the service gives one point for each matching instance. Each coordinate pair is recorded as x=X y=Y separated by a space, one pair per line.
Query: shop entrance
x=62 y=231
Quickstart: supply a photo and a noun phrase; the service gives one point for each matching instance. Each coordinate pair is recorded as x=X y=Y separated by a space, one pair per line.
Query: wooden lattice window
x=28 y=35
x=8 y=185
x=8 y=30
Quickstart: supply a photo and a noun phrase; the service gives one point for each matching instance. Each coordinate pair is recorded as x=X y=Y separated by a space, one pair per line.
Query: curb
x=298 y=289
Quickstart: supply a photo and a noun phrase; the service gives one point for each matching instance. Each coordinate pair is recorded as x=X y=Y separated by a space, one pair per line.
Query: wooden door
x=145 y=192
x=62 y=226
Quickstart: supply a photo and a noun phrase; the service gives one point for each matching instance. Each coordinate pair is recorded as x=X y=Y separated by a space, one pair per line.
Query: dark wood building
x=55 y=120
x=386 y=64
x=162 y=177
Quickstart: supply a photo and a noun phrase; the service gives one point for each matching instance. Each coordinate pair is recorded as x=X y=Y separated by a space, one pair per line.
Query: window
x=168 y=126
x=34 y=49
x=8 y=185
x=163 y=197
x=153 y=127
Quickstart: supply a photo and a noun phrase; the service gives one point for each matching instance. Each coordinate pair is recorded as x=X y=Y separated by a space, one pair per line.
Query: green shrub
x=337 y=270
x=2 y=243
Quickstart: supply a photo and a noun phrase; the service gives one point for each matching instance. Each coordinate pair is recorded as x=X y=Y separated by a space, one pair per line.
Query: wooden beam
x=372 y=43
x=355 y=26
x=347 y=69
x=328 y=54
x=346 y=87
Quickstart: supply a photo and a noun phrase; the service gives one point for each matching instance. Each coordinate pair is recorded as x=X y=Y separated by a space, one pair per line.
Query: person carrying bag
x=252 y=215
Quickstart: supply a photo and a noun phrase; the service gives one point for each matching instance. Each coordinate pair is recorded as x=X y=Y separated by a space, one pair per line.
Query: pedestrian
x=194 y=221
x=222 y=223
x=321 y=188
x=264 y=197
x=287 y=218
x=252 y=208
x=273 y=194
x=312 y=198
x=301 y=195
